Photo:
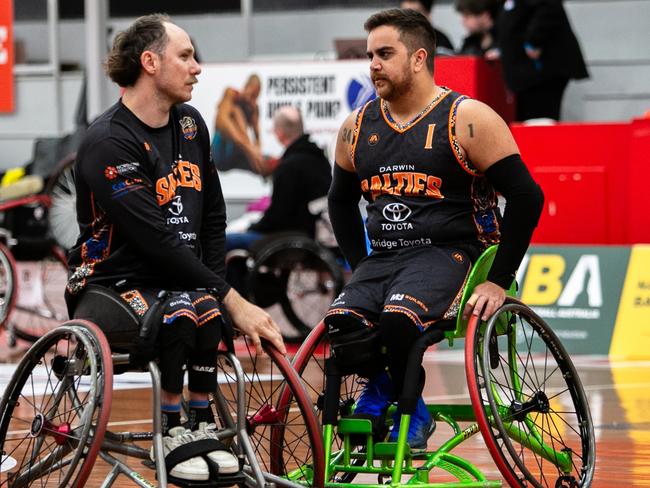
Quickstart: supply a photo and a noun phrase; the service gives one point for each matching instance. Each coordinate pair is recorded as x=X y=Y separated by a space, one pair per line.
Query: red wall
x=593 y=180
x=477 y=78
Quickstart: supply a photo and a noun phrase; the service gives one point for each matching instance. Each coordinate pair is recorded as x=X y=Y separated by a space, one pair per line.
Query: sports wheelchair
x=300 y=274
x=33 y=268
x=526 y=401
x=54 y=416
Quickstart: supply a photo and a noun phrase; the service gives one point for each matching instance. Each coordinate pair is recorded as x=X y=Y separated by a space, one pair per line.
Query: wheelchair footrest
x=355 y=426
x=388 y=450
x=359 y=426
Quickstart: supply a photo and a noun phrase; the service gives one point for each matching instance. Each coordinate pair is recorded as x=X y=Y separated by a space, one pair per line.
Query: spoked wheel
x=7 y=284
x=311 y=287
x=62 y=215
x=528 y=401
x=54 y=412
x=40 y=306
x=309 y=363
x=282 y=427
x=304 y=276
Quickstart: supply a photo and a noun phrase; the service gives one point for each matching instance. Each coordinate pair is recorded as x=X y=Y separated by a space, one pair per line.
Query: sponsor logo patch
x=189 y=128
x=110 y=172
x=396 y=212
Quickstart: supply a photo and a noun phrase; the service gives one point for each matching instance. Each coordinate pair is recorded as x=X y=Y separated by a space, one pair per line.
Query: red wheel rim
x=477 y=402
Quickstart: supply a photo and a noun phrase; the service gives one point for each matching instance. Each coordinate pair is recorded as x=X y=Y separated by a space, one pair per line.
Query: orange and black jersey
x=149 y=205
x=420 y=188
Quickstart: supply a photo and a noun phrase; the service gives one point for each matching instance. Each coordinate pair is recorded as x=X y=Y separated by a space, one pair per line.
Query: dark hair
x=426 y=4
x=415 y=30
x=477 y=7
x=147 y=33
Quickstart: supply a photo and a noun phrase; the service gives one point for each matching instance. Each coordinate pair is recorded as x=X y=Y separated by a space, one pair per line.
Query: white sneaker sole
x=191 y=472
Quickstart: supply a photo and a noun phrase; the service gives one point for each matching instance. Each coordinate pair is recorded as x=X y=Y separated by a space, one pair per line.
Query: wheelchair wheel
x=528 y=400
x=309 y=363
x=62 y=215
x=307 y=278
x=54 y=412
x=282 y=427
x=7 y=284
x=40 y=306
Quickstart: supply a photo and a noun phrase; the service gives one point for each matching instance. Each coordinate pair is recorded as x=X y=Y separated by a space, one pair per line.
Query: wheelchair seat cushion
x=111 y=313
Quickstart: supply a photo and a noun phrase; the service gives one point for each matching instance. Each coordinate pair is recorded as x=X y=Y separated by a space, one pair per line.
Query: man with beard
x=152 y=217
x=429 y=162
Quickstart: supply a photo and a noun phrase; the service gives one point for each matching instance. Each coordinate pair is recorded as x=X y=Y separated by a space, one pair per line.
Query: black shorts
x=102 y=306
x=425 y=283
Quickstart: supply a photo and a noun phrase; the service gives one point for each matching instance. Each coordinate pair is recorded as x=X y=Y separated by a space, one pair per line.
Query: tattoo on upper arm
x=471 y=130
x=347 y=135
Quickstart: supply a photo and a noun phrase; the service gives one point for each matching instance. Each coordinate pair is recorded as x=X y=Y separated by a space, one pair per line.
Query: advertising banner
x=324 y=91
x=6 y=57
x=577 y=291
x=632 y=332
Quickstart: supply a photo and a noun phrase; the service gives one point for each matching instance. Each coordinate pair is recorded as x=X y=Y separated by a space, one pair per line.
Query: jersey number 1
x=429 y=142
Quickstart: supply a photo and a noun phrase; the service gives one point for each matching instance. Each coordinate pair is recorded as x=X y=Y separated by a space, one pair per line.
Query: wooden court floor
x=619 y=396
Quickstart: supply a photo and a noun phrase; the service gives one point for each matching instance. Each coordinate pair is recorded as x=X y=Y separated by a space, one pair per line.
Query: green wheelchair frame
x=501 y=417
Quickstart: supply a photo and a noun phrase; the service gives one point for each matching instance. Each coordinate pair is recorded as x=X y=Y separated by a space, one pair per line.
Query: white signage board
x=325 y=92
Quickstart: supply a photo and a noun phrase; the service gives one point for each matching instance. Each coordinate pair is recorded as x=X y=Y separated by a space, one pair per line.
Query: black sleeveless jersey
x=420 y=188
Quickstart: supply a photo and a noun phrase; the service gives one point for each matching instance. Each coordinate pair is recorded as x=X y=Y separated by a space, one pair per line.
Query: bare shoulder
x=345 y=141
x=229 y=95
x=483 y=134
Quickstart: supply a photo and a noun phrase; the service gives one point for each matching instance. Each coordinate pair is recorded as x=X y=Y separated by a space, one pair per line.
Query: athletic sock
x=171 y=417
x=199 y=411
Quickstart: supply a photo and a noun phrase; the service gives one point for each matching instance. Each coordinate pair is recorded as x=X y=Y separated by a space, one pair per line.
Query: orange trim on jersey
x=453 y=141
x=406 y=311
x=182 y=312
x=204 y=298
x=207 y=316
x=414 y=122
x=345 y=311
x=355 y=134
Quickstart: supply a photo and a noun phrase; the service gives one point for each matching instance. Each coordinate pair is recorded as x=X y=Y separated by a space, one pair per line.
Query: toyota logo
x=176 y=208
x=396 y=212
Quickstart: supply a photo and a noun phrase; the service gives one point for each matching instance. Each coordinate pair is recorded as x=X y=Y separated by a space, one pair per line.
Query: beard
x=393 y=90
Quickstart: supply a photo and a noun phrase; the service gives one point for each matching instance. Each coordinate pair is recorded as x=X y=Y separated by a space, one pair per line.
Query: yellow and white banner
x=631 y=339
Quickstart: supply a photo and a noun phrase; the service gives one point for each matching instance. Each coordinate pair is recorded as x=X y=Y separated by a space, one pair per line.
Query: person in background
x=539 y=55
x=302 y=175
x=478 y=17
x=236 y=140
x=444 y=46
